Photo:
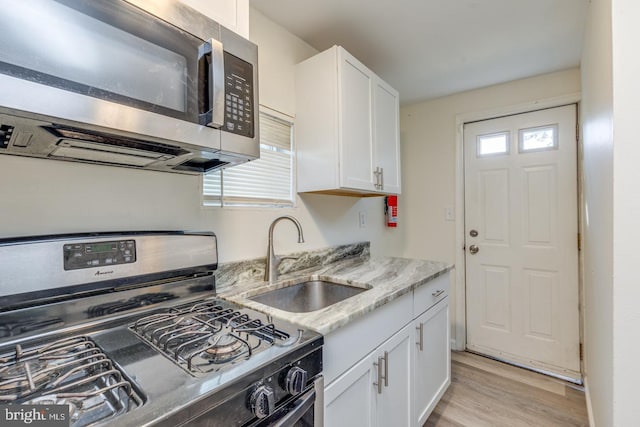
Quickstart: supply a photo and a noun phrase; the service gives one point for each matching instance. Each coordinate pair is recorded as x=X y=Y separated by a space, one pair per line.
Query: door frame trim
x=459 y=338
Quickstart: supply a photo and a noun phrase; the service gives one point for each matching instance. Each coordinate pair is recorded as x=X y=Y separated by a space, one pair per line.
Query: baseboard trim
x=587 y=396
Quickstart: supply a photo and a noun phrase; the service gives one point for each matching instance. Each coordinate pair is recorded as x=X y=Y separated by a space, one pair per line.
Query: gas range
x=150 y=345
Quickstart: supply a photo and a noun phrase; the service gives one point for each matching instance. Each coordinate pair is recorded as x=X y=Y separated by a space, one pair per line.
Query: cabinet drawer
x=430 y=293
x=347 y=345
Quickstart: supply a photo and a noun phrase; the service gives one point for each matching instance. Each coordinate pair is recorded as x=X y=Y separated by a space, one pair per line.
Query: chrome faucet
x=273 y=261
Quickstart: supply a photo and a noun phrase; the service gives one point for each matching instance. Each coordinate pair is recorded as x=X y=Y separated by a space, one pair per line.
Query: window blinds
x=263 y=182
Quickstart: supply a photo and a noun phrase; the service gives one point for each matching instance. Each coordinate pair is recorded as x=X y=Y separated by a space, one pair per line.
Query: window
x=267 y=181
x=495 y=143
x=539 y=138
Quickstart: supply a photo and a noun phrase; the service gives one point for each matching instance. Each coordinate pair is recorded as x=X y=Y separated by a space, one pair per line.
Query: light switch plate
x=449 y=214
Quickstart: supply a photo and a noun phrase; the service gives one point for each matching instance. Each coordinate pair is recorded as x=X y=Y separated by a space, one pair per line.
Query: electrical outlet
x=362 y=219
x=449 y=214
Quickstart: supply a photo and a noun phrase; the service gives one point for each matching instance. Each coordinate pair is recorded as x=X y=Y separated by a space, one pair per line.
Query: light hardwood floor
x=485 y=392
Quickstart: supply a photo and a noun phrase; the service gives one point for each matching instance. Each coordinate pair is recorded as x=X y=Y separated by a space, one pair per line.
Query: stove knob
x=296 y=380
x=262 y=401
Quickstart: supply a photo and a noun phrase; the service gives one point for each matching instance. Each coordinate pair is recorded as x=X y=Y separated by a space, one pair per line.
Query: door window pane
x=493 y=144
x=539 y=138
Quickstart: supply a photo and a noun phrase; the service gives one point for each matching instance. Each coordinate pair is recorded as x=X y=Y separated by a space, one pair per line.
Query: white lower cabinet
x=377 y=390
x=432 y=360
x=391 y=367
x=393 y=402
x=350 y=400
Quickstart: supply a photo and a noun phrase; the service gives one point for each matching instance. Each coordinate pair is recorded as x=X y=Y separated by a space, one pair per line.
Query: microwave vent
x=115 y=141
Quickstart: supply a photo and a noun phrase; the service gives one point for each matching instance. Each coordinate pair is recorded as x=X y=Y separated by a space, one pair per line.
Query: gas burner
x=224 y=348
x=207 y=336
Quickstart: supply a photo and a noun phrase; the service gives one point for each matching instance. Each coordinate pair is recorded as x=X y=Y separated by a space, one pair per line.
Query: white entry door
x=521 y=239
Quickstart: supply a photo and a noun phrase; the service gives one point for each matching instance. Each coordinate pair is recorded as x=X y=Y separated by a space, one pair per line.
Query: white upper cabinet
x=233 y=14
x=347 y=127
x=386 y=135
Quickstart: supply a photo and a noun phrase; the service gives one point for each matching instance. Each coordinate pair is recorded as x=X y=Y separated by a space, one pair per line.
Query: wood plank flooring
x=484 y=392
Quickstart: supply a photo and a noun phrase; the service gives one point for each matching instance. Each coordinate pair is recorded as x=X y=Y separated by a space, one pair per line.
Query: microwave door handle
x=211 y=84
x=216 y=84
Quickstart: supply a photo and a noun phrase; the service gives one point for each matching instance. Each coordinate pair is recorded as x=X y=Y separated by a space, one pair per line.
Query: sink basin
x=310 y=295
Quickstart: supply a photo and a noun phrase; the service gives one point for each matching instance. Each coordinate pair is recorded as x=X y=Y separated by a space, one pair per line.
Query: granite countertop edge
x=386 y=278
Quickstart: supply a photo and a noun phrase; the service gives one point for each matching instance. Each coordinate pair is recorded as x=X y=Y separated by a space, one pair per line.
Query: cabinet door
x=386 y=135
x=233 y=14
x=349 y=400
x=355 y=108
x=432 y=363
x=394 y=403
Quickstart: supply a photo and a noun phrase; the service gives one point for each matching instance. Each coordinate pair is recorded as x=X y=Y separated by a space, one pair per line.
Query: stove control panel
x=99 y=254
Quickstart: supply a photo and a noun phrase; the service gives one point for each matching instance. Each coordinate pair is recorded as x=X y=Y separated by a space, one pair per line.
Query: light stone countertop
x=387 y=279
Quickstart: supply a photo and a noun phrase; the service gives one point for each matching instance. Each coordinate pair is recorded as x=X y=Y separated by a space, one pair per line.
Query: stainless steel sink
x=310 y=295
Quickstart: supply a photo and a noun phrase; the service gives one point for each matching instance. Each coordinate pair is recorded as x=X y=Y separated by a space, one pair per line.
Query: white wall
x=43 y=197
x=428 y=135
x=597 y=125
x=626 y=211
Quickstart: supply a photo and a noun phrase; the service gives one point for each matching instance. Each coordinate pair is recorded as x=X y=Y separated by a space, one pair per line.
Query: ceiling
x=431 y=48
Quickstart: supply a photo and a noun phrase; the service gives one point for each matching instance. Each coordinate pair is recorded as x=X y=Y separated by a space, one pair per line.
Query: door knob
x=473 y=249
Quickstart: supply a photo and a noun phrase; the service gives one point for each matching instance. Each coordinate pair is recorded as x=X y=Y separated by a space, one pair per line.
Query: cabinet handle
x=377 y=173
x=438 y=293
x=421 y=335
x=379 y=382
x=386 y=368
x=381 y=178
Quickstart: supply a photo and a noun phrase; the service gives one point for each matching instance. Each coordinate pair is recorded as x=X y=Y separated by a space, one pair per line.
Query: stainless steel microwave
x=149 y=84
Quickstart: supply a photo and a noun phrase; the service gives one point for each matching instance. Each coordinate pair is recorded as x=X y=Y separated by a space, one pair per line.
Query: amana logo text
x=102 y=273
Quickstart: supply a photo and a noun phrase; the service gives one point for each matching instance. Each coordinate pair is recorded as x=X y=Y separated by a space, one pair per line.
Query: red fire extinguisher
x=391 y=210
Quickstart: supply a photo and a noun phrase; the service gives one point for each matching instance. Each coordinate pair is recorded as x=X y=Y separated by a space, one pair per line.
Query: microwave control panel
x=238 y=96
x=101 y=254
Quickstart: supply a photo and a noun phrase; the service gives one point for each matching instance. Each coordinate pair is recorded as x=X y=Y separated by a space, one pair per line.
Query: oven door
x=113 y=51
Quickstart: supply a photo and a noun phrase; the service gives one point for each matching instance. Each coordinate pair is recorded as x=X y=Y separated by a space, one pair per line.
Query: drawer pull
x=386 y=368
x=438 y=293
x=386 y=372
x=379 y=383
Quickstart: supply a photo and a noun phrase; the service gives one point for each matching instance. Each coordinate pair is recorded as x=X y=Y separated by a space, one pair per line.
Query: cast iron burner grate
x=207 y=337
x=72 y=371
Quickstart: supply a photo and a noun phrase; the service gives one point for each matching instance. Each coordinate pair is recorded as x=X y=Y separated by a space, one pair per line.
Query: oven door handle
x=301 y=407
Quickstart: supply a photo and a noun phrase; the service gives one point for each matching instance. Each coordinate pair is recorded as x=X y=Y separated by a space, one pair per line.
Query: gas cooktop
x=150 y=345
